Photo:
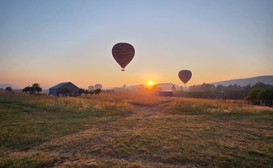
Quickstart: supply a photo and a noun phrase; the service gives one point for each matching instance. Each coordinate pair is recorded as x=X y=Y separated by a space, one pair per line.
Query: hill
x=4 y=86
x=247 y=81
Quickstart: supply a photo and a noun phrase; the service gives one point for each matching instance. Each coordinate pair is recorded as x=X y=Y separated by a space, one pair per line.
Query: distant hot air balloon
x=185 y=76
x=91 y=88
x=98 y=86
x=123 y=53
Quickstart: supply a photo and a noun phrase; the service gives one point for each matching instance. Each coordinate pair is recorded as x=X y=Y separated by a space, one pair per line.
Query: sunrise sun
x=150 y=83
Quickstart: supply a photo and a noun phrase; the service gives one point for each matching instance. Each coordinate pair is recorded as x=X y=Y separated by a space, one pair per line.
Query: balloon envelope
x=91 y=87
x=98 y=86
x=185 y=75
x=123 y=53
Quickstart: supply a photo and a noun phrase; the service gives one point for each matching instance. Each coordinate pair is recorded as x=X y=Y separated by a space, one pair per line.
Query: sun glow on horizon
x=150 y=83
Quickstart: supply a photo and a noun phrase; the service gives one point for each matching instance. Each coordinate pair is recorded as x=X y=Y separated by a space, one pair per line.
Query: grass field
x=112 y=130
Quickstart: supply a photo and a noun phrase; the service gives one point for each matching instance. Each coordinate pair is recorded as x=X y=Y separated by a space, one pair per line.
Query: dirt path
x=101 y=134
x=155 y=111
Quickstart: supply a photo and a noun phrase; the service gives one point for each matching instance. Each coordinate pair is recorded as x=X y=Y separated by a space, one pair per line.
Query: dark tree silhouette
x=9 y=89
x=83 y=91
x=27 y=89
x=97 y=91
x=259 y=94
x=35 y=88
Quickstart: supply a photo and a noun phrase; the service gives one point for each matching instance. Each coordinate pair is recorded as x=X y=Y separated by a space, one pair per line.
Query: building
x=64 y=89
x=165 y=93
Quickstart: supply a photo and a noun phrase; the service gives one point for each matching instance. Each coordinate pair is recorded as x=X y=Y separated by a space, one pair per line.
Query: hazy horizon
x=50 y=42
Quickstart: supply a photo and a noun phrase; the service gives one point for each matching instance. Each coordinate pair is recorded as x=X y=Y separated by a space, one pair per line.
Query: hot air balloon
x=123 y=53
x=98 y=86
x=185 y=76
x=91 y=87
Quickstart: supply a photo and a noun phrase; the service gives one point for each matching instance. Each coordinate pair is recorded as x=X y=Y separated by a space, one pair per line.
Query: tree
x=253 y=95
x=81 y=91
x=9 y=89
x=91 y=92
x=85 y=92
x=266 y=96
x=27 y=89
x=97 y=91
x=36 y=87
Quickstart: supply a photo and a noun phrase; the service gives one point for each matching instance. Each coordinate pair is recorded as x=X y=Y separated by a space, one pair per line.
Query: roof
x=165 y=91
x=59 y=85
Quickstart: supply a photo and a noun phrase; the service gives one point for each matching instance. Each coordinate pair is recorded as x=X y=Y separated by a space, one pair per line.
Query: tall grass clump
x=204 y=106
x=64 y=104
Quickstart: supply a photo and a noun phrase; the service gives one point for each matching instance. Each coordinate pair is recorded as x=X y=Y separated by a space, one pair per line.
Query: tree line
x=259 y=94
x=36 y=89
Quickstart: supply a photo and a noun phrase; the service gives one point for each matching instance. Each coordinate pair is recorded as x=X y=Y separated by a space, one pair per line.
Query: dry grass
x=113 y=130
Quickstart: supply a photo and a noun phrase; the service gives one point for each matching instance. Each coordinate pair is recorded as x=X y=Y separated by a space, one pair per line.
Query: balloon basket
x=122 y=69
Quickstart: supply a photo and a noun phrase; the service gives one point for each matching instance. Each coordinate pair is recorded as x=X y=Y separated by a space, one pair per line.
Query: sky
x=53 y=41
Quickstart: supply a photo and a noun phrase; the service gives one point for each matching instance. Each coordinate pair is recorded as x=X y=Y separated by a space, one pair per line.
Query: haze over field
x=65 y=40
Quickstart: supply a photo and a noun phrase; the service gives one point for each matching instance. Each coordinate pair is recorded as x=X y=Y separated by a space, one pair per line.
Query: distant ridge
x=4 y=86
x=247 y=81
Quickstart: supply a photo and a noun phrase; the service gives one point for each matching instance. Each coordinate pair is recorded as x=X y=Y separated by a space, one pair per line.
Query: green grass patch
x=26 y=122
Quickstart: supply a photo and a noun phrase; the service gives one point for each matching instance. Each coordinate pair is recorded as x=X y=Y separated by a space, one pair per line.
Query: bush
x=261 y=96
